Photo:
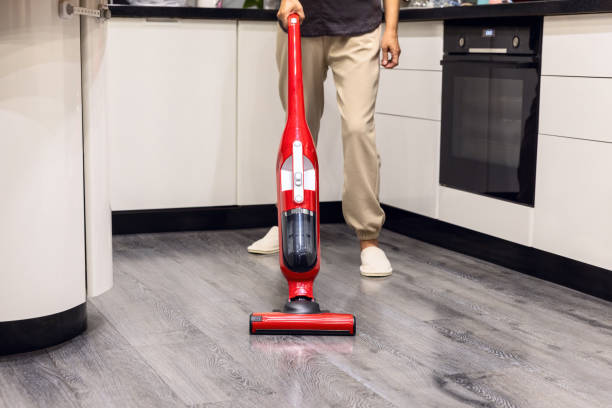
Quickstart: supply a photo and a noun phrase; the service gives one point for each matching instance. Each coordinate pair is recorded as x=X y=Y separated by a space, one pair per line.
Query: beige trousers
x=355 y=66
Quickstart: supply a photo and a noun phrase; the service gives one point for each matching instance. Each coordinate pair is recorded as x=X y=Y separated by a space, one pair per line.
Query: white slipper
x=267 y=245
x=374 y=262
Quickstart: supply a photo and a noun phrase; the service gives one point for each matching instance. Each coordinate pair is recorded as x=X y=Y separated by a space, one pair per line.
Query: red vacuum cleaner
x=297 y=182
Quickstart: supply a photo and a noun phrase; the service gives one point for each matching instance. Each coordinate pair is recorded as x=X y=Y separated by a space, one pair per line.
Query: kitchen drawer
x=502 y=219
x=409 y=151
x=576 y=107
x=416 y=94
x=421 y=44
x=578 y=45
x=573 y=213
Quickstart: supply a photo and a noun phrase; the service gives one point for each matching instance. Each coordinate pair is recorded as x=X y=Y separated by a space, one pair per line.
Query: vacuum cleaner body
x=297 y=180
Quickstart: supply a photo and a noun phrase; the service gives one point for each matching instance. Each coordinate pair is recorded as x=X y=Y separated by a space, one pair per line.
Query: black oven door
x=490 y=126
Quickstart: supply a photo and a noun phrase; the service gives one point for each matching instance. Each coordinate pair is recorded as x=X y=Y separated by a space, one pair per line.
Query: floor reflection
x=302 y=347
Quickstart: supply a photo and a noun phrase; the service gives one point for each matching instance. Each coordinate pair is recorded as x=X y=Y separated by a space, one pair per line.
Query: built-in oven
x=490 y=104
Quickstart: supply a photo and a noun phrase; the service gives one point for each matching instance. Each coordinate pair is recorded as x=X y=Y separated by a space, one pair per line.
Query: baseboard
x=567 y=272
x=209 y=218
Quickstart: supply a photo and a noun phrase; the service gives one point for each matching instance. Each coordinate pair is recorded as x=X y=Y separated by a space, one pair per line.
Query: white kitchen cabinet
x=261 y=118
x=577 y=45
x=416 y=94
x=171 y=113
x=98 y=225
x=573 y=213
x=576 y=107
x=422 y=45
x=409 y=151
x=499 y=218
x=42 y=248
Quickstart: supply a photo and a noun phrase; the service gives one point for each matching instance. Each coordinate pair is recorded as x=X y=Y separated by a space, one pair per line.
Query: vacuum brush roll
x=328 y=324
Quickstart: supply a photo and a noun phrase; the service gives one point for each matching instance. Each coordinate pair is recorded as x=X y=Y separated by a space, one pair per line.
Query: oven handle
x=515 y=64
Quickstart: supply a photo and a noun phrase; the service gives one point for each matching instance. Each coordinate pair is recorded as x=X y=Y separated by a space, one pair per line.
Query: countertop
x=534 y=8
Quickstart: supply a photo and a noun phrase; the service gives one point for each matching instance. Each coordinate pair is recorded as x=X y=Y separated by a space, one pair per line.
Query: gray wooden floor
x=445 y=330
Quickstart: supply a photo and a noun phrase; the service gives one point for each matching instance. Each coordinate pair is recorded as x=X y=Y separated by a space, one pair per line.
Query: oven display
x=488 y=33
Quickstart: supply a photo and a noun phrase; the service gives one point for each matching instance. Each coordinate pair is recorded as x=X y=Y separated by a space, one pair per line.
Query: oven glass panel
x=489 y=130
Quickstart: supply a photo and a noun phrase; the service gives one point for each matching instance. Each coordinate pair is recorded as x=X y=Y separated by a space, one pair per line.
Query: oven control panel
x=519 y=36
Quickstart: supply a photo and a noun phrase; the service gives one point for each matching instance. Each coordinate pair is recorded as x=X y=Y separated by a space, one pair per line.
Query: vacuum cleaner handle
x=295 y=110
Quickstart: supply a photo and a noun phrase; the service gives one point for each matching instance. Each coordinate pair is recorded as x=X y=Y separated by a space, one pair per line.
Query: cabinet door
x=422 y=45
x=172 y=113
x=577 y=45
x=417 y=94
x=409 y=151
x=576 y=107
x=261 y=118
x=573 y=213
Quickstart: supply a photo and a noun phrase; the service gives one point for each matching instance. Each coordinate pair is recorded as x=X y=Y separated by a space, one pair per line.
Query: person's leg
x=314 y=71
x=355 y=64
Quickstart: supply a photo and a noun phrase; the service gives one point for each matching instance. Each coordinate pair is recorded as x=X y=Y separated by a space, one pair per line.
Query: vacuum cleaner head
x=318 y=324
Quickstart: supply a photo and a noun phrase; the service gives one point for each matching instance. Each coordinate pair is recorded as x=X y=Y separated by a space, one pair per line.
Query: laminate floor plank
x=446 y=330
x=96 y=369
x=39 y=382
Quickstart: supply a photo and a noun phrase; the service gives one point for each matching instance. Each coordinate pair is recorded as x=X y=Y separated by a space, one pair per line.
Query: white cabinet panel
x=98 y=228
x=42 y=249
x=421 y=44
x=573 y=215
x=576 y=107
x=409 y=151
x=329 y=146
x=261 y=118
x=417 y=94
x=578 y=45
x=490 y=216
x=172 y=113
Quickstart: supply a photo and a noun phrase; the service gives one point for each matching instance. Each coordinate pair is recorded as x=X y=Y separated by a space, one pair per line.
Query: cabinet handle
x=67 y=10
